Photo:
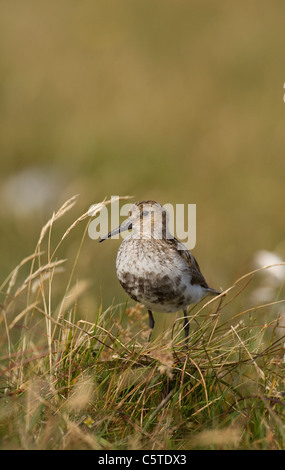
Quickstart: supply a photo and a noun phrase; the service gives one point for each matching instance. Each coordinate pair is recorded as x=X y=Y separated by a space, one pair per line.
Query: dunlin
x=154 y=268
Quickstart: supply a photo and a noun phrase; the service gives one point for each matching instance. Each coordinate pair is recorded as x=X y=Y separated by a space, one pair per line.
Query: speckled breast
x=151 y=275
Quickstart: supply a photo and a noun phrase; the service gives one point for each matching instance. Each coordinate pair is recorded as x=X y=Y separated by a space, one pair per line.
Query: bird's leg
x=186 y=327
x=151 y=323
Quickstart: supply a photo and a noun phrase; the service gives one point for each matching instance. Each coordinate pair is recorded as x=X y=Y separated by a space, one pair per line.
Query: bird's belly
x=155 y=281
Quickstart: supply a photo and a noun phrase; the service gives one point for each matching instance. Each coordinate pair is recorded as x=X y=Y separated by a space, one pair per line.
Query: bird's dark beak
x=126 y=225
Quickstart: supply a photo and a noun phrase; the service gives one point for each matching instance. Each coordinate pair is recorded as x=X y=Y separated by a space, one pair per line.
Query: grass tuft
x=68 y=383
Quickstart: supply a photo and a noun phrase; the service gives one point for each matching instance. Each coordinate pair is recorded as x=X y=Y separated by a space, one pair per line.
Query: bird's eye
x=144 y=213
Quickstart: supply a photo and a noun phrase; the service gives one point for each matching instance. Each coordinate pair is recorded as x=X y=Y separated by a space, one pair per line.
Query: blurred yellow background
x=176 y=101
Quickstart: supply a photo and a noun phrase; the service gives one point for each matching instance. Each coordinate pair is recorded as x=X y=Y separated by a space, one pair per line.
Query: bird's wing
x=194 y=269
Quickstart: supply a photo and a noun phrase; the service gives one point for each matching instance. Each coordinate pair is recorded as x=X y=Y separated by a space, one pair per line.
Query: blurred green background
x=177 y=101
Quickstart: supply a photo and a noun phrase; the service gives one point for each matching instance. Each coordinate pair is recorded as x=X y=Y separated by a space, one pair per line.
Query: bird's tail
x=213 y=291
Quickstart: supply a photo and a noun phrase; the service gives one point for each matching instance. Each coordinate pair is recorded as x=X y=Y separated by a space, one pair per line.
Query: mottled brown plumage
x=154 y=268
